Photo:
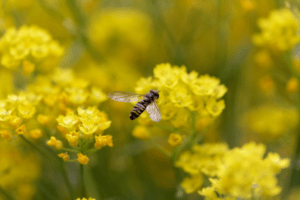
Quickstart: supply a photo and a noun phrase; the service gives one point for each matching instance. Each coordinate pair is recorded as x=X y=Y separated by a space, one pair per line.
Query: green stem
x=83 y=189
x=70 y=150
x=37 y=148
x=91 y=151
x=67 y=180
x=52 y=160
x=5 y=194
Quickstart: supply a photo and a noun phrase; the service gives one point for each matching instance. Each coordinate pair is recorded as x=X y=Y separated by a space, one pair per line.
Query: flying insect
x=147 y=103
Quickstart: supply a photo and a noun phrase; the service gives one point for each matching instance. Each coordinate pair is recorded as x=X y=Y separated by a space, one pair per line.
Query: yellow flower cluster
x=205 y=159
x=271 y=121
x=183 y=95
x=57 y=100
x=30 y=47
x=87 y=123
x=251 y=175
x=279 y=31
x=90 y=198
x=18 y=170
x=48 y=97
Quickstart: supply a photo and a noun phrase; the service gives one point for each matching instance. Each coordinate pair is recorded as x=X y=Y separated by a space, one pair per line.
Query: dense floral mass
x=226 y=125
x=30 y=47
x=183 y=97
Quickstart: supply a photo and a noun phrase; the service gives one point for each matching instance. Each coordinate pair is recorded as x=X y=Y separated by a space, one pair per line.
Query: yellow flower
x=15 y=121
x=21 y=130
x=267 y=84
x=141 y=132
x=28 y=67
x=69 y=121
x=90 y=112
x=43 y=119
x=19 y=170
x=26 y=111
x=77 y=96
x=271 y=121
x=175 y=139
x=292 y=85
x=214 y=107
x=250 y=175
x=279 y=31
x=180 y=97
x=206 y=159
x=31 y=45
x=36 y=133
x=72 y=138
x=64 y=156
x=181 y=118
x=88 y=126
x=82 y=159
x=5 y=114
x=102 y=141
x=97 y=96
x=90 y=198
x=263 y=59
x=6 y=134
x=54 y=142
x=192 y=184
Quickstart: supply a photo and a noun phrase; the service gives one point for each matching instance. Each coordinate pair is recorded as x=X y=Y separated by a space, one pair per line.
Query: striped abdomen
x=139 y=108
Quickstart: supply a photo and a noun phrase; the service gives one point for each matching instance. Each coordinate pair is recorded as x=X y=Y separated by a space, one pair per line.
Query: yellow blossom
x=28 y=67
x=102 y=141
x=267 y=84
x=36 y=133
x=15 y=121
x=64 y=156
x=271 y=121
x=97 y=96
x=82 y=159
x=180 y=97
x=21 y=130
x=88 y=126
x=292 y=85
x=77 y=96
x=175 y=139
x=29 y=43
x=6 y=134
x=205 y=159
x=69 y=121
x=19 y=170
x=192 y=184
x=263 y=59
x=54 y=142
x=279 y=31
x=141 y=132
x=43 y=119
x=72 y=138
x=214 y=107
x=90 y=198
x=251 y=175
x=4 y=114
x=63 y=130
x=26 y=111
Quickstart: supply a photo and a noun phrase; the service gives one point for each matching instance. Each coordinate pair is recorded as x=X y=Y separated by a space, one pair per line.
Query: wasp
x=147 y=103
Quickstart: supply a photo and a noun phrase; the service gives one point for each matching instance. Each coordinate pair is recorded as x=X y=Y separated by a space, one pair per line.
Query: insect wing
x=154 y=112
x=124 y=96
